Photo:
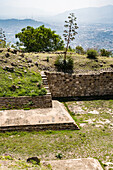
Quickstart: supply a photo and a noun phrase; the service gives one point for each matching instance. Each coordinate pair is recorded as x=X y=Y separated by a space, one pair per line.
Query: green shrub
x=59 y=155
x=79 y=50
x=64 y=65
x=92 y=54
x=71 y=49
x=104 y=52
x=47 y=59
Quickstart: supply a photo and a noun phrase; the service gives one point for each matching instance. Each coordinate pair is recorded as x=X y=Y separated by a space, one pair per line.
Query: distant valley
x=95 y=26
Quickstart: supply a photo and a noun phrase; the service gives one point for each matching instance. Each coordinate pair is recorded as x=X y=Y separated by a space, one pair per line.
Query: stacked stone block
x=70 y=85
x=41 y=127
x=25 y=102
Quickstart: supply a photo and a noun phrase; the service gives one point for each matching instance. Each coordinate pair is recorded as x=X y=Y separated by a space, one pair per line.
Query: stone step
x=46 y=87
x=43 y=76
x=48 y=93
x=45 y=82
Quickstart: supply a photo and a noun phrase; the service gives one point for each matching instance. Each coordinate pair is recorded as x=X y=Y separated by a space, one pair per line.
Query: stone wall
x=71 y=85
x=41 y=127
x=25 y=102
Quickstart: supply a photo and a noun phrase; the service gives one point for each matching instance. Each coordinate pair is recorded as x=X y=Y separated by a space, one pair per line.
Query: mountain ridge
x=102 y=14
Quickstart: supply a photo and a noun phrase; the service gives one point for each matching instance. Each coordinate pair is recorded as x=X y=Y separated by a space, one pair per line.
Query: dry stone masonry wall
x=40 y=127
x=25 y=102
x=70 y=85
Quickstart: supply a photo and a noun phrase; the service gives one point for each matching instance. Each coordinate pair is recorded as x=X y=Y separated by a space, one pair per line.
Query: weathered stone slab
x=75 y=164
x=56 y=118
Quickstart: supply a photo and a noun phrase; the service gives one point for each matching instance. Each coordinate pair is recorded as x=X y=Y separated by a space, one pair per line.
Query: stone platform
x=75 y=164
x=55 y=118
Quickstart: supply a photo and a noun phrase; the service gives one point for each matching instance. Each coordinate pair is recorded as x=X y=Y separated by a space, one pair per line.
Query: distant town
x=89 y=35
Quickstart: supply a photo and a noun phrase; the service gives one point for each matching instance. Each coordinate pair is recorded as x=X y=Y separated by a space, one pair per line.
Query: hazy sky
x=51 y=6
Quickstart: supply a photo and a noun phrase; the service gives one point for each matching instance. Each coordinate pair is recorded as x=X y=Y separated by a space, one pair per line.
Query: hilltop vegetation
x=37 y=61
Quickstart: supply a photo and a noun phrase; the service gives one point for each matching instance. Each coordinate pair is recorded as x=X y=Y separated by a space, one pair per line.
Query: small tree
x=2 y=38
x=79 y=49
x=105 y=52
x=70 y=31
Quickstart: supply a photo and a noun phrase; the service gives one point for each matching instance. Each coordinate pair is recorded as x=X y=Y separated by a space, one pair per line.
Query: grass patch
x=7 y=163
x=19 y=83
x=89 y=141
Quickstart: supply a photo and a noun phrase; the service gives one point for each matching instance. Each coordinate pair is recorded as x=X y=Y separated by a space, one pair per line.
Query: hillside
x=35 y=61
x=19 y=76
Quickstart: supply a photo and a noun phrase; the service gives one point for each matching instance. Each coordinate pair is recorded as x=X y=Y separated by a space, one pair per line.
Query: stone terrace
x=56 y=118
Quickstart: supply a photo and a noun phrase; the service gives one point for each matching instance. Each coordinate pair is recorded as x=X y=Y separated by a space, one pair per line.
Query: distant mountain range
x=87 y=15
x=14 y=26
x=95 y=26
x=20 y=23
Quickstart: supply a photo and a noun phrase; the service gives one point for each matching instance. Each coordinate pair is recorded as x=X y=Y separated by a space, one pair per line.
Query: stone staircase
x=45 y=83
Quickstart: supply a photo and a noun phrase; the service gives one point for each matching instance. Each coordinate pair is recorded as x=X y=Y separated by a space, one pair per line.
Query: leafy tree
x=70 y=31
x=79 y=49
x=105 y=52
x=40 y=39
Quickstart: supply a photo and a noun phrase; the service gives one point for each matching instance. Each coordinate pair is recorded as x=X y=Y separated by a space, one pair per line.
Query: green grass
x=20 y=77
x=19 y=83
x=103 y=107
x=12 y=163
x=90 y=141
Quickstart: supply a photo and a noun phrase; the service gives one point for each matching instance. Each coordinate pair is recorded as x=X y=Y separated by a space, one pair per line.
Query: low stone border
x=41 y=127
x=26 y=102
